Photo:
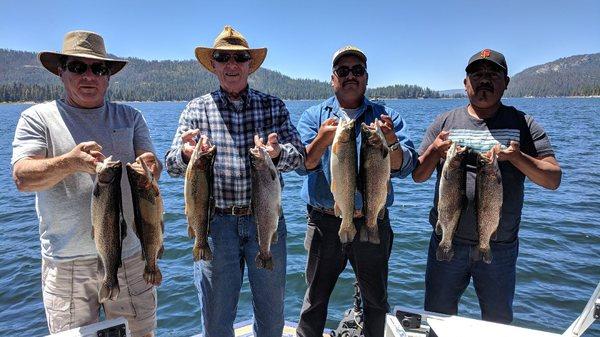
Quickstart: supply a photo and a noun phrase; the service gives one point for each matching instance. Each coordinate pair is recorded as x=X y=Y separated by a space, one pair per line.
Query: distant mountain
x=22 y=78
x=454 y=93
x=570 y=76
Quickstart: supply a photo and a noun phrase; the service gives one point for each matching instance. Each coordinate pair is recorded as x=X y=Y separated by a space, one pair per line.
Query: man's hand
x=272 y=145
x=511 y=153
x=441 y=144
x=84 y=157
x=151 y=162
x=188 y=140
x=326 y=131
x=387 y=127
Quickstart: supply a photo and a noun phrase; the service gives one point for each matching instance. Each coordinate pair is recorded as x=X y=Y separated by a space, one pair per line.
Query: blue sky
x=417 y=42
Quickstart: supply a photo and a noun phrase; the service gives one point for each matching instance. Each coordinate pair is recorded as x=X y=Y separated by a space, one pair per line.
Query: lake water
x=558 y=266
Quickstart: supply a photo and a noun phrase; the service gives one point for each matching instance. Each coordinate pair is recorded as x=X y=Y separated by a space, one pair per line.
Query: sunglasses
x=357 y=70
x=79 y=68
x=492 y=74
x=224 y=57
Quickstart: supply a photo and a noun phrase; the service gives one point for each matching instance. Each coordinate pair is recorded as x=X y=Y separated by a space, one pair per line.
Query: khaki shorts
x=70 y=291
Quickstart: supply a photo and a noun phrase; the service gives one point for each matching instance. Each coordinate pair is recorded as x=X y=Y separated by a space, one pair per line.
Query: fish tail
x=444 y=252
x=347 y=231
x=364 y=234
x=264 y=261
x=486 y=255
x=202 y=252
x=108 y=293
x=152 y=275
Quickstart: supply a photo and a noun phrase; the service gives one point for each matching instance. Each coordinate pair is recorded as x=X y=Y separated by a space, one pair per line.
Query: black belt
x=329 y=211
x=234 y=210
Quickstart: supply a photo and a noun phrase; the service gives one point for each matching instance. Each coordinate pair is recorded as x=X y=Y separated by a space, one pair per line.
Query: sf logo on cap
x=485 y=53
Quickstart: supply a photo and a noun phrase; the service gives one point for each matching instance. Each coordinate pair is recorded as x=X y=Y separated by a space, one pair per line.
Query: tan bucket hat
x=80 y=43
x=230 y=39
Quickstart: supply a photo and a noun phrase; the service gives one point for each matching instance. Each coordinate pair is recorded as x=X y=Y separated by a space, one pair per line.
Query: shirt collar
x=334 y=107
x=224 y=96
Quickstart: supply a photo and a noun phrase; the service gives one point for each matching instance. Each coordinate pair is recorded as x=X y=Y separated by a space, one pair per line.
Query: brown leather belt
x=329 y=211
x=234 y=210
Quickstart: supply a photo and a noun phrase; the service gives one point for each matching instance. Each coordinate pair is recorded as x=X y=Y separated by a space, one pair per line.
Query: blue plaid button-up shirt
x=233 y=131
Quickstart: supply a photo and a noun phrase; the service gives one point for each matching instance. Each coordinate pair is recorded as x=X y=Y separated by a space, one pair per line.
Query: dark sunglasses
x=343 y=71
x=238 y=57
x=79 y=68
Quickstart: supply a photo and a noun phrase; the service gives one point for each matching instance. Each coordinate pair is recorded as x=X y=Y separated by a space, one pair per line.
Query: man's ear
x=367 y=79
x=332 y=80
x=465 y=83
x=507 y=80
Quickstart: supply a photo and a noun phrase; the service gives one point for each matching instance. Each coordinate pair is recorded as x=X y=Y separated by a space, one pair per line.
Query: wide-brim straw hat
x=80 y=43
x=231 y=40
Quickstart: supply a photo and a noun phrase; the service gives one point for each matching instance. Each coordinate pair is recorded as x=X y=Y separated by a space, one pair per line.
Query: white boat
x=406 y=322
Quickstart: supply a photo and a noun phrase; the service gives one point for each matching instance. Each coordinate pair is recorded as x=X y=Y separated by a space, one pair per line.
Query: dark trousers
x=446 y=281
x=327 y=259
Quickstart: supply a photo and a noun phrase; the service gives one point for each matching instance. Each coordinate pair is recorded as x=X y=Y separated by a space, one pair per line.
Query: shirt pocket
x=122 y=142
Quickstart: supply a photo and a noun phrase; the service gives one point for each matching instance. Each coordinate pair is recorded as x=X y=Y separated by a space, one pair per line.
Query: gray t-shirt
x=54 y=128
x=481 y=135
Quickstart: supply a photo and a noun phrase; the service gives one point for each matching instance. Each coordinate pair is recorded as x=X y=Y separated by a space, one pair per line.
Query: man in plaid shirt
x=236 y=118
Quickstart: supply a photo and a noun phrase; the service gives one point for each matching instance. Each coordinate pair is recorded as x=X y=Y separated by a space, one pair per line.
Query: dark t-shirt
x=481 y=135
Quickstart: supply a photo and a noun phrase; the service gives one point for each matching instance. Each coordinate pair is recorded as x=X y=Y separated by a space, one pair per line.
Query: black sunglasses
x=78 y=67
x=222 y=57
x=343 y=71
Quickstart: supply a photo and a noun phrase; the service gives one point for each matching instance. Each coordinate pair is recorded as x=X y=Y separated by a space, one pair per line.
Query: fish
x=374 y=179
x=148 y=218
x=343 y=177
x=266 y=203
x=451 y=199
x=489 y=194
x=108 y=226
x=198 y=197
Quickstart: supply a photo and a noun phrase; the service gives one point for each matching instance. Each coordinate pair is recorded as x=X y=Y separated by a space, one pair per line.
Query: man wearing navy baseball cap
x=482 y=242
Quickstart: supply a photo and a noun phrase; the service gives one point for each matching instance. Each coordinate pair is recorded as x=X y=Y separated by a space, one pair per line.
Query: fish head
x=204 y=154
x=258 y=158
x=456 y=154
x=109 y=170
x=372 y=135
x=345 y=130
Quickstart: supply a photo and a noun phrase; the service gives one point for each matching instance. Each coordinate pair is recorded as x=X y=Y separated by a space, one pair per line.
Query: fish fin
x=274 y=238
x=265 y=262
x=332 y=185
x=444 y=253
x=161 y=251
x=334 y=148
x=152 y=275
x=438 y=228
x=100 y=266
x=381 y=214
x=162 y=226
x=384 y=151
x=273 y=173
x=486 y=255
x=389 y=186
x=96 y=190
x=93 y=232
x=123 y=228
x=337 y=210
x=191 y=233
x=373 y=235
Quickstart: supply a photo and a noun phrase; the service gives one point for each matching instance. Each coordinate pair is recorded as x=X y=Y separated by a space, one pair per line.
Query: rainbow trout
x=198 y=194
x=489 y=201
x=374 y=178
x=266 y=203
x=451 y=198
x=148 y=217
x=108 y=226
x=343 y=177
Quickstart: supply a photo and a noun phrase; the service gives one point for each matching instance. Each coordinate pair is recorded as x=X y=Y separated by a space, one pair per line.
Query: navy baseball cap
x=489 y=56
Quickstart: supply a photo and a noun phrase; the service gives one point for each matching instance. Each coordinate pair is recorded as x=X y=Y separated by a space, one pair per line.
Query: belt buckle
x=233 y=209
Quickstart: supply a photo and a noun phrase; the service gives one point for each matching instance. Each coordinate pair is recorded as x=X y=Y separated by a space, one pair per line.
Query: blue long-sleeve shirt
x=316 y=186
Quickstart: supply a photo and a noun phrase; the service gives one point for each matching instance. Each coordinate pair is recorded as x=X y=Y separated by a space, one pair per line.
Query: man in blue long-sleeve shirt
x=327 y=256
x=234 y=118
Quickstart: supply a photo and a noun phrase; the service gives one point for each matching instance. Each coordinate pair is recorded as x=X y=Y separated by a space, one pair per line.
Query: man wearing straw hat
x=236 y=118
x=55 y=151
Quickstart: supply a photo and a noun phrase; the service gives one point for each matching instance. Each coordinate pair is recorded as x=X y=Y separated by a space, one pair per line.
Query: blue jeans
x=233 y=241
x=446 y=281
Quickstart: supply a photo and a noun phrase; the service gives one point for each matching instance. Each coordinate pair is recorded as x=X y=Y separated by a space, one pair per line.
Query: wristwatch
x=394 y=146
